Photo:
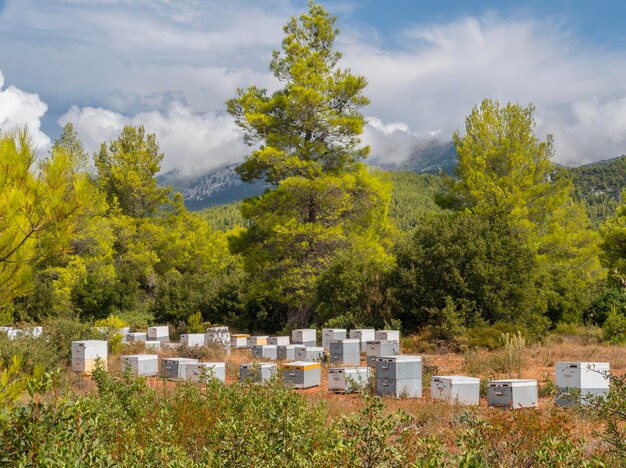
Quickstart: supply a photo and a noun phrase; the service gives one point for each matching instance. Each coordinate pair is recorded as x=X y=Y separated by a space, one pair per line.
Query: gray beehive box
x=153 y=345
x=348 y=379
x=146 y=365
x=278 y=340
x=159 y=333
x=309 y=353
x=239 y=340
x=85 y=353
x=455 y=389
x=256 y=371
x=581 y=379
x=363 y=335
x=391 y=335
x=175 y=368
x=286 y=352
x=264 y=352
x=513 y=393
x=136 y=337
x=302 y=374
x=345 y=352
x=330 y=334
x=203 y=371
x=399 y=376
x=381 y=348
x=304 y=336
x=192 y=339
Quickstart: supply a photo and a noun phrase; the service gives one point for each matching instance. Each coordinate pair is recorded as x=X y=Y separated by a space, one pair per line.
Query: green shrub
x=490 y=336
x=614 y=328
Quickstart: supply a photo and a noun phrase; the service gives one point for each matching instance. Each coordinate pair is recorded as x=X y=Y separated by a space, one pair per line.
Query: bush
x=50 y=350
x=614 y=328
x=603 y=304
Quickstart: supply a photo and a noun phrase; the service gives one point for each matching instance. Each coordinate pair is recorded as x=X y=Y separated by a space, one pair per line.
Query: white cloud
x=442 y=70
x=192 y=142
x=391 y=143
x=144 y=59
x=20 y=108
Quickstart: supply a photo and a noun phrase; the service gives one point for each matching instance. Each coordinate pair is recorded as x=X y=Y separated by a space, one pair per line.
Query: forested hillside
x=412 y=197
x=599 y=186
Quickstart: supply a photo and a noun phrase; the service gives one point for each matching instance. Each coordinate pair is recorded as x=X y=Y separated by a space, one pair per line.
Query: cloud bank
x=192 y=142
x=19 y=109
x=170 y=65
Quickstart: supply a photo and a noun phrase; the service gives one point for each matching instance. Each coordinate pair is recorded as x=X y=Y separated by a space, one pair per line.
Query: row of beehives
x=399 y=376
x=369 y=341
x=14 y=333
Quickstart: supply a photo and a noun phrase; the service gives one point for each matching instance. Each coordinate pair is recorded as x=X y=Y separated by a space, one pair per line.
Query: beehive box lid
x=240 y=335
x=457 y=378
x=141 y=357
x=302 y=365
x=513 y=383
x=257 y=364
x=399 y=357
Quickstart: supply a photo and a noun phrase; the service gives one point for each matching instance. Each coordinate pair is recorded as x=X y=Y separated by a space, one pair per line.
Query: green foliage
x=373 y=439
x=69 y=142
x=323 y=201
x=483 y=268
x=126 y=172
x=194 y=323
x=611 y=410
x=49 y=351
x=311 y=126
x=614 y=327
x=614 y=244
x=614 y=297
x=14 y=383
x=38 y=212
x=223 y=217
x=598 y=187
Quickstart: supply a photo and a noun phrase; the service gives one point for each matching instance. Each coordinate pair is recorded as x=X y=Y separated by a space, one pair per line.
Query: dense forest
x=509 y=238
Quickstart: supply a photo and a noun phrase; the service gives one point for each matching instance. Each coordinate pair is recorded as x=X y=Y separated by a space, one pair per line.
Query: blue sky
x=171 y=64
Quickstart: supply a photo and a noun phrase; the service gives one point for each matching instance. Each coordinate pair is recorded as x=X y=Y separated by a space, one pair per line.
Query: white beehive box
x=381 y=348
x=136 y=337
x=331 y=334
x=302 y=374
x=256 y=371
x=345 y=352
x=239 y=340
x=153 y=345
x=348 y=379
x=286 y=352
x=257 y=340
x=218 y=336
x=146 y=365
x=203 y=371
x=264 y=351
x=305 y=336
x=390 y=335
x=309 y=353
x=513 y=393
x=85 y=353
x=278 y=340
x=192 y=340
x=582 y=378
x=363 y=335
x=159 y=333
x=455 y=389
x=175 y=368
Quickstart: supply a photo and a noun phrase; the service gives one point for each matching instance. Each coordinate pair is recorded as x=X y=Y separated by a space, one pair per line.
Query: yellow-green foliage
x=38 y=210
